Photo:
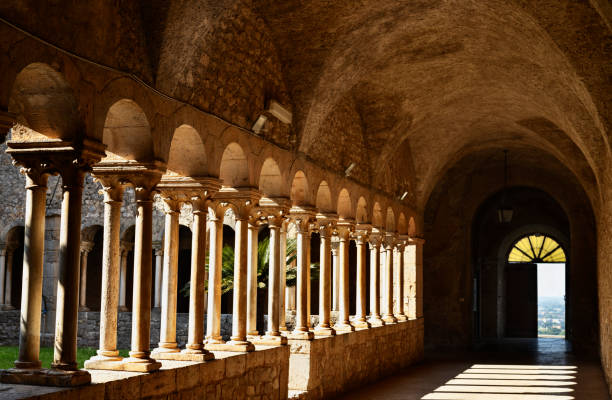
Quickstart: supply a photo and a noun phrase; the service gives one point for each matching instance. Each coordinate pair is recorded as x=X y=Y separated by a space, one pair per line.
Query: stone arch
x=377 y=216
x=299 y=188
x=361 y=213
x=270 y=179
x=234 y=168
x=324 y=200
x=127 y=133
x=187 y=156
x=402 y=225
x=44 y=102
x=390 y=225
x=412 y=230
x=345 y=207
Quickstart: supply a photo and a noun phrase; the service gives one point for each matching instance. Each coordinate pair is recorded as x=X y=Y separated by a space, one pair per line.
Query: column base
x=252 y=338
x=326 y=331
x=6 y=307
x=389 y=319
x=269 y=340
x=105 y=362
x=361 y=324
x=83 y=308
x=401 y=318
x=237 y=346
x=376 y=321
x=186 y=355
x=283 y=329
x=122 y=309
x=165 y=348
x=134 y=364
x=341 y=328
x=45 y=377
x=300 y=335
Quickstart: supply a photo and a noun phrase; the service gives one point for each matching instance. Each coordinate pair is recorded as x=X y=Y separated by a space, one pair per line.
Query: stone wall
x=262 y=374
x=327 y=366
x=605 y=289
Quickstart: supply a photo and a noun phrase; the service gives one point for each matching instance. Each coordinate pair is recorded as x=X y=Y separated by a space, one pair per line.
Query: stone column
x=283 y=277
x=67 y=305
x=107 y=355
x=86 y=247
x=215 y=233
x=344 y=229
x=167 y=332
x=399 y=281
x=375 y=319
x=326 y=226
x=253 y=240
x=388 y=316
x=301 y=331
x=31 y=283
x=159 y=257
x=418 y=276
x=2 y=274
x=125 y=248
x=8 y=283
x=361 y=237
x=195 y=346
x=141 y=302
x=336 y=275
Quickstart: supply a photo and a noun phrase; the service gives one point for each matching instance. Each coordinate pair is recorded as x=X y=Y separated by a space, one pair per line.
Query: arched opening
x=127 y=133
x=234 y=169
x=324 y=201
x=535 y=261
x=345 y=209
x=299 y=189
x=187 y=155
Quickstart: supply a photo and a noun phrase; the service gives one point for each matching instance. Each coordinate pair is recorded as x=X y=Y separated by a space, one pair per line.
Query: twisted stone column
x=361 y=237
x=167 y=332
x=107 y=355
x=324 y=328
x=301 y=331
x=388 y=316
x=375 y=319
x=344 y=230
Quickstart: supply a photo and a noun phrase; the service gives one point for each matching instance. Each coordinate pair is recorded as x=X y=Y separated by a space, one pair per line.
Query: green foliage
x=263 y=266
x=8 y=355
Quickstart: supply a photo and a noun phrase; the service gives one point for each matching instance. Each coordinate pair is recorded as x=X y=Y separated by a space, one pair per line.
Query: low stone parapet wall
x=262 y=374
x=327 y=366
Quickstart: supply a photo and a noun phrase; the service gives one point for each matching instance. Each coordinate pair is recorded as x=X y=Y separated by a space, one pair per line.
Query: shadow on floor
x=521 y=369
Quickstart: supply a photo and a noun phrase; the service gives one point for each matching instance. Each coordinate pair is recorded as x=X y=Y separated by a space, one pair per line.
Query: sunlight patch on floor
x=509 y=382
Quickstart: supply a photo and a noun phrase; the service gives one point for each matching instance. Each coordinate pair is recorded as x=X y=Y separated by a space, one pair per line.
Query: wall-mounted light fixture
x=280 y=112
x=259 y=124
x=403 y=196
x=349 y=169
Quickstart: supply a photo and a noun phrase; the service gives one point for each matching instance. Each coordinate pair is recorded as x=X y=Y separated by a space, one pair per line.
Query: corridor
x=521 y=369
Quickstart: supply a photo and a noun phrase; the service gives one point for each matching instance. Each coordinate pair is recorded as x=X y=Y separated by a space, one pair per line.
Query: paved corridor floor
x=514 y=369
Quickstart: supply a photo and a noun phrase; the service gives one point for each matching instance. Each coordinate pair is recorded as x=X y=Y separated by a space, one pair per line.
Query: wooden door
x=521 y=300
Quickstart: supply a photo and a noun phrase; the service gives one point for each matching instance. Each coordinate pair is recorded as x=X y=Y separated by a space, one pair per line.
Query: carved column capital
x=86 y=247
x=274 y=210
x=389 y=240
x=302 y=219
x=344 y=229
x=326 y=224
x=242 y=201
x=361 y=233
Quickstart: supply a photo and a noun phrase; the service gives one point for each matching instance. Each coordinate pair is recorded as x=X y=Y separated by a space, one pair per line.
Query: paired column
x=107 y=355
x=252 y=266
x=86 y=247
x=31 y=292
x=159 y=257
x=375 y=267
x=195 y=346
x=398 y=277
x=215 y=233
x=301 y=331
x=361 y=237
x=387 y=291
x=326 y=226
x=344 y=230
x=283 y=276
x=167 y=332
x=141 y=303
x=125 y=249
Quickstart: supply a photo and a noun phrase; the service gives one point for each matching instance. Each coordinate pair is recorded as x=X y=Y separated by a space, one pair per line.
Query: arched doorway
x=535 y=287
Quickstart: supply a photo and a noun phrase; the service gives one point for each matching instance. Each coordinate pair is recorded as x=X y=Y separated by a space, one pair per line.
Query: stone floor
x=525 y=369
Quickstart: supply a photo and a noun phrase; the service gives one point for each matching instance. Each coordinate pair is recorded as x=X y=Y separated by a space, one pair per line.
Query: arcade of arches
x=266 y=199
